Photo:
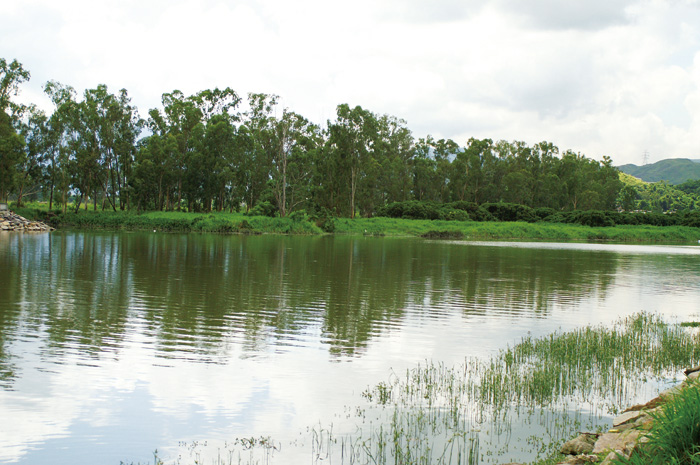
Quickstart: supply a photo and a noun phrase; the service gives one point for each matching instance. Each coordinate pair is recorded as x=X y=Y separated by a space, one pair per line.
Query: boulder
x=624 y=442
x=582 y=444
x=579 y=459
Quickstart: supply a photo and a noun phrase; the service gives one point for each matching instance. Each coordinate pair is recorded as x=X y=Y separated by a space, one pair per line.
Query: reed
x=559 y=383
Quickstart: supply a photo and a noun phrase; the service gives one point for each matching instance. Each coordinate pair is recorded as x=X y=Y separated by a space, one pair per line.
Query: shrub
x=511 y=212
x=263 y=209
x=476 y=212
x=443 y=235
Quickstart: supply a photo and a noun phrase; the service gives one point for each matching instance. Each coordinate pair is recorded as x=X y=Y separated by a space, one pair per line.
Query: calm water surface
x=113 y=345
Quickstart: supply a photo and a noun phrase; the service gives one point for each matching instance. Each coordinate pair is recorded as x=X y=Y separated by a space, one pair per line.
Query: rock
x=609 y=458
x=626 y=418
x=688 y=371
x=583 y=444
x=12 y=222
x=624 y=441
x=693 y=375
x=579 y=459
x=653 y=403
x=671 y=392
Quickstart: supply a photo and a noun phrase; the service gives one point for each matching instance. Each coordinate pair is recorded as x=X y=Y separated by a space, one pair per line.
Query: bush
x=263 y=209
x=511 y=212
x=443 y=235
x=543 y=213
x=476 y=212
x=593 y=218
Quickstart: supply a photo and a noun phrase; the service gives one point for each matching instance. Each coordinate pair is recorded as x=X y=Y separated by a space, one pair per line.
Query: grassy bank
x=226 y=223
x=233 y=223
x=471 y=230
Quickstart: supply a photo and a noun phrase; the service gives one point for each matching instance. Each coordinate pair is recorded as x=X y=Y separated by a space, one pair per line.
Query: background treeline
x=464 y=211
x=215 y=150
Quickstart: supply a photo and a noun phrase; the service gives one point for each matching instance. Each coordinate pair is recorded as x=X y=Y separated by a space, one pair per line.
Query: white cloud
x=604 y=77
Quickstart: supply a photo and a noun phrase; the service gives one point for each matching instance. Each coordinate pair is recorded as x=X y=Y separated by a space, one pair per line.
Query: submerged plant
x=561 y=380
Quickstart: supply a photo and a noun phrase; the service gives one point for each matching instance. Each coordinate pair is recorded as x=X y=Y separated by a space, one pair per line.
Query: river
x=115 y=345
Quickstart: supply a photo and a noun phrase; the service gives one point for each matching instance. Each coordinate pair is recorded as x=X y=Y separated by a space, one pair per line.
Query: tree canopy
x=215 y=150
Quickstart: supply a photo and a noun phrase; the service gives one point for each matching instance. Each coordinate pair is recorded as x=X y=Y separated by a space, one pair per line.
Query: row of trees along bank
x=204 y=152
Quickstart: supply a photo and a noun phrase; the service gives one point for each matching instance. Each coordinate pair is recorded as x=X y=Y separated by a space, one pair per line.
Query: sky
x=601 y=77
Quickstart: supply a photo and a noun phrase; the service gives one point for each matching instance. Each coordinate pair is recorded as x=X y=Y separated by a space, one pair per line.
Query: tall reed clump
x=551 y=379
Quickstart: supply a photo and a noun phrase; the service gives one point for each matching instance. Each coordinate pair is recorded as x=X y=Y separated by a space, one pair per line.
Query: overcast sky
x=600 y=77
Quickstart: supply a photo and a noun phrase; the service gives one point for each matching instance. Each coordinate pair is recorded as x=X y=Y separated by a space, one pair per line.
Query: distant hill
x=671 y=170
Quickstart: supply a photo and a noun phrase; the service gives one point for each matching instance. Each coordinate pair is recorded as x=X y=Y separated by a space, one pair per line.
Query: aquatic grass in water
x=566 y=379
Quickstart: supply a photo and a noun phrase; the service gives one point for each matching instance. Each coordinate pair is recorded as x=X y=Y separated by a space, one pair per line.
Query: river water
x=115 y=345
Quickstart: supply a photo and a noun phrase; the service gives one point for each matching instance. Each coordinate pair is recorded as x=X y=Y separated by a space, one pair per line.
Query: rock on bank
x=12 y=222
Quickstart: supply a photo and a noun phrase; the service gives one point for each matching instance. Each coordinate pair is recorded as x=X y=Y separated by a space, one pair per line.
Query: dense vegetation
x=215 y=150
x=671 y=170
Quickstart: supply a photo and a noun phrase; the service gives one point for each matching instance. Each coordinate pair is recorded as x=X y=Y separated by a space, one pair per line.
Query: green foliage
x=263 y=209
x=443 y=235
x=511 y=212
x=690 y=187
x=202 y=155
x=656 y=197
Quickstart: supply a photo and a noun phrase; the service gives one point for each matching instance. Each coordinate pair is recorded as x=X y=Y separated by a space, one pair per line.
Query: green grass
x=471 y=230
x=301 y=224
x=232 y=223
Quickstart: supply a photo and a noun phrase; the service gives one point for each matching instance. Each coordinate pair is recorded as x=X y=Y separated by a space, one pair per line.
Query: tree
x=296 y=140
x=11 y=76
x=57 y=159
x=352 y=140
x=35 y=134
x=11 y=153
x=11 y=143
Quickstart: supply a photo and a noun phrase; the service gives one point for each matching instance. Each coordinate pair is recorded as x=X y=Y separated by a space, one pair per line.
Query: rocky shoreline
x=627 y=435
x=12 y=222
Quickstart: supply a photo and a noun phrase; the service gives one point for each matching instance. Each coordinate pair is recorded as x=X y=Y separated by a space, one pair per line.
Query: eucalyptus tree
x=178 y=119
x=298 y=143
x=57 y=155
x=105 y=128
x=547 y=186
x=261 y=145
x=445 y=152
x=352 y=137
x=12 y=75
x=11 y=153
x=34 y=130
x=424 y=171
x=395 y=151
x=469 y=170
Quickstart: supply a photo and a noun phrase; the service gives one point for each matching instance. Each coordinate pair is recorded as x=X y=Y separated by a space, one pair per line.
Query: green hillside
x=672 y=170
x=657 y=197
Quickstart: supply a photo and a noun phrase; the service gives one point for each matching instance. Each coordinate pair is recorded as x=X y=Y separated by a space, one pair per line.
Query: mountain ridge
x=672 y=170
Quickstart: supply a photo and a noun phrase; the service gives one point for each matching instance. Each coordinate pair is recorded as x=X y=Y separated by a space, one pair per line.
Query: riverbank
x=664 y=430
x=238 y=223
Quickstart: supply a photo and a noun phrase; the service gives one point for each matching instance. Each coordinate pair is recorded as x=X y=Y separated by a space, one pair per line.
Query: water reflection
x=245 y=327
x=200 y=294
